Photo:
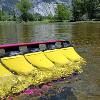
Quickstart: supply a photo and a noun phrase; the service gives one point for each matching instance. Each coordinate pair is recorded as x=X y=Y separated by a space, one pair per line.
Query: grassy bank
x=7 y=22
x=43 y=22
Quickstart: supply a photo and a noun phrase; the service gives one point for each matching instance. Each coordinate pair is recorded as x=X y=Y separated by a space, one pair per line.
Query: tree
x=38 y=17
x=24 y=6
x=0 y=14
x=91 y=6
x=4 y=16
x=81 y=7
x=50 y=17
x=62 y=12
x=78 y=9
x=97 y=13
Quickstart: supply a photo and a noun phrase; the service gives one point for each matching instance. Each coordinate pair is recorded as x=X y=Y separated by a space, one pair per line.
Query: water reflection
x=16 y=33
x=1 y=35
x=26 y=33
x=86 y=33
x=9 y=33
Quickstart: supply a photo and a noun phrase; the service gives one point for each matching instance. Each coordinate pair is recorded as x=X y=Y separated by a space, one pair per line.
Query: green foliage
x=0 y=15
x=62 y=12
x=81 y=7
x=37 y=17
x=5 y=17
x=91 y=6
x=77 y=9
x=24 y=6
x=81 y=10
x=50 y=17
x=97 y=14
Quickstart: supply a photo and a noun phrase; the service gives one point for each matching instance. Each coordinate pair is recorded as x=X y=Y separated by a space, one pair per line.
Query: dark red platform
x=4 y=46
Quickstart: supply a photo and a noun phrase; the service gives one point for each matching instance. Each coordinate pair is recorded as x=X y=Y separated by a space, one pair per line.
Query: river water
x=85 y=37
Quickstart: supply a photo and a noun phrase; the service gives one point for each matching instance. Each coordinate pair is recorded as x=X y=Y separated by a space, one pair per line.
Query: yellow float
x=19 y=71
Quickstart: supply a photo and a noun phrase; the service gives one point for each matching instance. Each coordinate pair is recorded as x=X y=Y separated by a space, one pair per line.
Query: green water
x=84 y=36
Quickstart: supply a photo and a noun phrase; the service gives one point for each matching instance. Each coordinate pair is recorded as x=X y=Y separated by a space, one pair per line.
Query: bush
x=24 y=6
x=62 y=13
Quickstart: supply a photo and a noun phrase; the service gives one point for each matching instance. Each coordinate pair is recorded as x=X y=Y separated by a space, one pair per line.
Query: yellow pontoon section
x=7 y=81
x=26 y=72
x=57 y=57
x=74 y=57
x=71 y=54
x=29 y=74
x=48 y=69
x=44 y=65
x=24 y=81
x=18 y=64
x=62 y=64
x=39 y=60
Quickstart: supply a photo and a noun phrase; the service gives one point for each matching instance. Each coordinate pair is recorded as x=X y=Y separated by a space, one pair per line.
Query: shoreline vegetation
x=84 y=10
x=44 y=22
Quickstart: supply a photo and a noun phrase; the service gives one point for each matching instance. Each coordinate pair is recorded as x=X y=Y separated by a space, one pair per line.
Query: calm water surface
x=86 y=39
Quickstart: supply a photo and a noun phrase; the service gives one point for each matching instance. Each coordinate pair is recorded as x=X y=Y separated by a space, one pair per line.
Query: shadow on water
x=65 y=94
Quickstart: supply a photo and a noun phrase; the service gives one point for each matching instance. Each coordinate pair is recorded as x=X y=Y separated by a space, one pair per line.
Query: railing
x=5 y=46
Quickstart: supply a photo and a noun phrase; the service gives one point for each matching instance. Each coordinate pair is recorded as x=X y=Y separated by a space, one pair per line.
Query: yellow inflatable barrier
x=24 y=81
x=26 y=72
x=43 y=76
x=19 y=64
x=37 y=67
x=61 y=62
x=39 y=60
x=71 y=54
x=7 y=81
x=57 y=57
x=45 y=66
x=74 y=57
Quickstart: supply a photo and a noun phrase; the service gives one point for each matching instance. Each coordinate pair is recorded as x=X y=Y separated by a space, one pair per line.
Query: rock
x=43 y=7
